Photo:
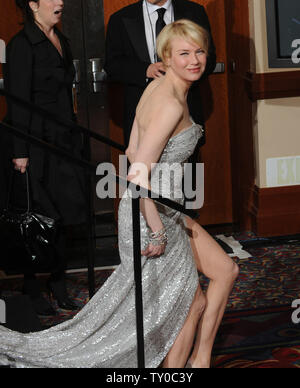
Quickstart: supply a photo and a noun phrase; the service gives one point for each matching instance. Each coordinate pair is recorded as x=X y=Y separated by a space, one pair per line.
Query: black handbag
x=27 y=239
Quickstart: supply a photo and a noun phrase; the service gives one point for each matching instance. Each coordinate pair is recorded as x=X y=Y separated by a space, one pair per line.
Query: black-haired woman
x=40 y=70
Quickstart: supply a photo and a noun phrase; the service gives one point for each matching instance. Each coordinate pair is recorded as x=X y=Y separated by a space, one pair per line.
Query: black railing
x=60 y=120
x=91 y=167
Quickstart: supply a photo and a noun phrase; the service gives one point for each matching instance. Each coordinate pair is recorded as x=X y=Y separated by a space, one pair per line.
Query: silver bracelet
x=159 y=238
x=158 y=234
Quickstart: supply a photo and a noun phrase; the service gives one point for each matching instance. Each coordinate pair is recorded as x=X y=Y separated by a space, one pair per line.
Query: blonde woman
x=103 y=334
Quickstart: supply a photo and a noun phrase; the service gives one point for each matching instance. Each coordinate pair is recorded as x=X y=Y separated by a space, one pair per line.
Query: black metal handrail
x=61 y=120
x=144 y=193
x=135 y=221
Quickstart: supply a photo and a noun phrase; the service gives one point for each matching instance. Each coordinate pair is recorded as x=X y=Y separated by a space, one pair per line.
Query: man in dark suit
x=131 y=50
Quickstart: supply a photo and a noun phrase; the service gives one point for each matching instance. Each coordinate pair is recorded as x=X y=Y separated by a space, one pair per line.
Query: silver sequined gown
x=102 y=334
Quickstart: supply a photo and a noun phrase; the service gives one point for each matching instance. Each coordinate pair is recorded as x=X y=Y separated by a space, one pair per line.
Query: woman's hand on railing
x=21 y=164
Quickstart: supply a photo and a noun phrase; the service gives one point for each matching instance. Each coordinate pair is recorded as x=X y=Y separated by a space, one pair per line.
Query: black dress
x=36 y=72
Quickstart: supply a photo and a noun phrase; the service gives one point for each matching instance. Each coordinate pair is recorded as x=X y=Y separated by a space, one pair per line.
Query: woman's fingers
x=154 y=251
x=145 y=252
x=21 y=169
x=21 y=164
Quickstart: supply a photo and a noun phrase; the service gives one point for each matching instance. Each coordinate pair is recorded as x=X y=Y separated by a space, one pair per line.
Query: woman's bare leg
x=178 y=355
x=216 y=265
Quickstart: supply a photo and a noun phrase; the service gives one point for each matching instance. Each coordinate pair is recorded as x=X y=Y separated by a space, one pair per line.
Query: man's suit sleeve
x=211 y=60
x=119 y=66
x=17 y=81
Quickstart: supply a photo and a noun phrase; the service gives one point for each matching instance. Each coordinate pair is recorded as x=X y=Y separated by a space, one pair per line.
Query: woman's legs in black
x=32 y=288
x=57 y=280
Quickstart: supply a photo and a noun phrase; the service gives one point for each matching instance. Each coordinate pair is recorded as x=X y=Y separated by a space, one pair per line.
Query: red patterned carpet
x=278 y=358
x=262 y=338
x=257 y=330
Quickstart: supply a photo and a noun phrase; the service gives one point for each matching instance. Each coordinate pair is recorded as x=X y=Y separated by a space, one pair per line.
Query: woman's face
x=47 y=12
x=187 y=60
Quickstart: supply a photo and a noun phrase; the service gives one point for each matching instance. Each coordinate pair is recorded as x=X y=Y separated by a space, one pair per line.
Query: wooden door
x=216 y=153
x=240 y=111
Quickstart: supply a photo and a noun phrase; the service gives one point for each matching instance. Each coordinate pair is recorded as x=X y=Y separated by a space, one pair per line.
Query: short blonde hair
x=185 y=29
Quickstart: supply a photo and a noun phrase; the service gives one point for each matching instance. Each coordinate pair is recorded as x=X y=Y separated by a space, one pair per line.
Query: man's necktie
x=160 y=24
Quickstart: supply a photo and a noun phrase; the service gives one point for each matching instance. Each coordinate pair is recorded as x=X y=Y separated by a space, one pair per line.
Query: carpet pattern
x=262 y=338
x=276 y=358
x=269 y=278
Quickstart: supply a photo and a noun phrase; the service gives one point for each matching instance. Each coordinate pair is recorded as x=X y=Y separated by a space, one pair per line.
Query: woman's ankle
x=199 y=362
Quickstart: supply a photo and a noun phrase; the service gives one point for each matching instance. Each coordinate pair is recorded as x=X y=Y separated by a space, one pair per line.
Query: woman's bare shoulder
x=156 y=95
x=164 y=102
x=162 y=115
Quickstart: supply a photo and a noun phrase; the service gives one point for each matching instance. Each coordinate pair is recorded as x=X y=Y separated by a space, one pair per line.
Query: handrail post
x=138 y=281
x=90 y=222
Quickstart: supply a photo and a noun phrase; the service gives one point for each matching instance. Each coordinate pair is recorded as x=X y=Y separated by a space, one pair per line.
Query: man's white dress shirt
x=150 y=19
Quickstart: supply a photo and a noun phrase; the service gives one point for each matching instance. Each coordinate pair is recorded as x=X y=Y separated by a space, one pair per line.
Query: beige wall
x=276 y=122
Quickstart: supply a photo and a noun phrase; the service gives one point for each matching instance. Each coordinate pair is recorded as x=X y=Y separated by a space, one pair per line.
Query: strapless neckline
x=184 y=131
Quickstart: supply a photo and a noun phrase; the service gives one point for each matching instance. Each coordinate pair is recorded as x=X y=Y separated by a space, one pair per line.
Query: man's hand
x=156 y=70
x=21 y=164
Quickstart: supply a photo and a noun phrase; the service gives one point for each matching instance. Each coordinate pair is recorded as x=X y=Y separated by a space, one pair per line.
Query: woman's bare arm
x=163 y=122
x=133 y=143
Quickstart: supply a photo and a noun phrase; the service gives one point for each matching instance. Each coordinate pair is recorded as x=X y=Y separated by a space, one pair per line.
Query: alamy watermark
x=296 y=313
x=2 y=312
x=166 y=180
x=296 y=53
x=2 y=51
